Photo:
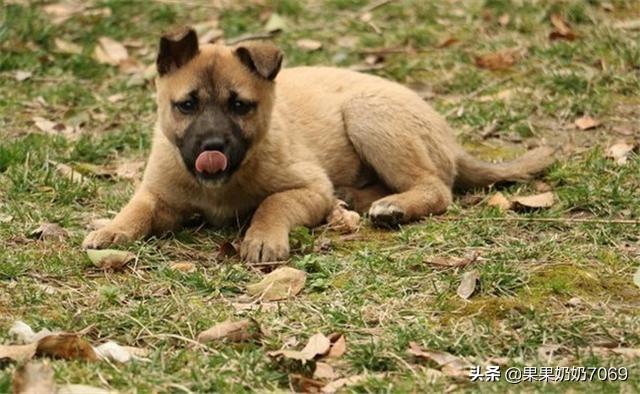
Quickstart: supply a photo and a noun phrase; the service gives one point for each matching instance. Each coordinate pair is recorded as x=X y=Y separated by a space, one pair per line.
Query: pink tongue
x=211 y=161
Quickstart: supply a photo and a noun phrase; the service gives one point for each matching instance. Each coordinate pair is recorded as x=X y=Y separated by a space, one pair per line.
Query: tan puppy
x=233 y=140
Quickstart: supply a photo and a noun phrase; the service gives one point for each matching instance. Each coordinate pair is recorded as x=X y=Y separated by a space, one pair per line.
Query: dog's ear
x=176 y=49
x=263 y=58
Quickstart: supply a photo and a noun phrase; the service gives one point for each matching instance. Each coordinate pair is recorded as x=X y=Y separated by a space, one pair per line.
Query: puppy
x=236 y=136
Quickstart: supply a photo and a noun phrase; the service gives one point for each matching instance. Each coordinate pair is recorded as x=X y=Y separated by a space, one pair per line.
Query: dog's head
x=214 y=101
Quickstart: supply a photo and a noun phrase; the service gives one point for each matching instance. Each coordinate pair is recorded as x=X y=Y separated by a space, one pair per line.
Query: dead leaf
x=25 y=334
x=225 y=250
x=34 y=378
x=68 y=172
x=587 y=122
x=96 y=224
x=324 y=371
x=468 y=284
x=183 y=266
x=619 y=152
x=122 y=354
x=322 y=244
x=440 y=358
x=21 y=75
x=308 y=45
x=350 y=381
x=541 y=187
x=66 y=346
x=280 y=284
x=318 y=345
x=374 y=59
x=49 y=232
x=562 y=30
x=454 y=262
x=18 y=353
x=501 y=60
x=347 y=41
x=636 y=277
x=342 y=220
x=110 y=258
x=60 y=12
x=276 y=23
x=447 y=42
x=130 y=66
x=232 y=331
x=130 y=169
x=63 y=46
x=110 y=51
x=81 y=389
x=49 y=127
x=498 y=200
x=633 y=24
x=114 y=98
x=338 y=345
x=536 y=201
x=504 y=19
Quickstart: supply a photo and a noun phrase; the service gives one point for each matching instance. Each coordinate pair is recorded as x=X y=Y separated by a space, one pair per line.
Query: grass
x=376 y=288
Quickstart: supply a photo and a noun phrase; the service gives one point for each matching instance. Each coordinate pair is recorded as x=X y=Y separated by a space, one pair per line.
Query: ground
x=555 y=276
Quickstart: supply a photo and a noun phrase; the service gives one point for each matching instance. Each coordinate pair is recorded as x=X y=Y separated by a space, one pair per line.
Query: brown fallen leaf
x=232 y=331
x=501 y=60
x=536 y=201
x=183 y=266
x=632 y=24
x=130 y=66
x=81 y=389
x=619 y=152
x=504 y=19
x=110 y=258
x=468 y=284
x=49 y=232
x=53 y=128
x=562 y=30
x=303 y=384
x=69 y=173
x=225 y=250
x=440 y=358
x=122 y=354
x=18 y=353
x=318 y=345
x=338 y=345
x=349 y=381
x=324 y=371
x=308 y=45
x=498 y=200
x=322 y=245
x=67 y=47
x=280 y=284
x=60 y=12
x=66 y=346
x=541 y=187
x=454 y=262
x=342 y=220
x=34 y=378
x=21 y=75
x=447 y=42
x=587 y=123
x=110 y=51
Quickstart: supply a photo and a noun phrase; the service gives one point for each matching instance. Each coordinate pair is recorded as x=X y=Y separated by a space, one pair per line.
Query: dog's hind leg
x=360 y=199
x=397 y=143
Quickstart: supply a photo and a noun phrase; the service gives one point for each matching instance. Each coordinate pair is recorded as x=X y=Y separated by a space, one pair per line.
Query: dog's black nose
x=214 y=143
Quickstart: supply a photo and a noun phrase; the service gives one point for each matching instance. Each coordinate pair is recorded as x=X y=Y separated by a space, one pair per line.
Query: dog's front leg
x=145 y=214
x=267 y=238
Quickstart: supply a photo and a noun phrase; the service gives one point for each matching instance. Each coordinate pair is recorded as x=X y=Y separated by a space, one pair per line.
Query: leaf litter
x=280 y=284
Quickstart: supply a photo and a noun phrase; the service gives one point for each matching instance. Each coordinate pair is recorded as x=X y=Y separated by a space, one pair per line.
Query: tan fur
x=370 y=139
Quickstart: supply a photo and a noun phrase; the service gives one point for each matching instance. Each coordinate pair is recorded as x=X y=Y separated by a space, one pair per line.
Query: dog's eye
x=240 y=107
x=187 y=106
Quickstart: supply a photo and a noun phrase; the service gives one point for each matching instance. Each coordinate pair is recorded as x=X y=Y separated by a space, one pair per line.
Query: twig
x=543 y=220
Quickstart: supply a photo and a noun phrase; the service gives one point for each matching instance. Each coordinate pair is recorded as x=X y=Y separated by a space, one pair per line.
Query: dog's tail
x=473 y=172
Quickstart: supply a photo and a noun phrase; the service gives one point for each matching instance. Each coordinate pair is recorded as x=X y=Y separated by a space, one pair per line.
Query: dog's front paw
x=260 y=246
x=104 y=237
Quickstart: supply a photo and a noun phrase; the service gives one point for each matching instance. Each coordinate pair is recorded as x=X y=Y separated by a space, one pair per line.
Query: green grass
x=377 y=289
